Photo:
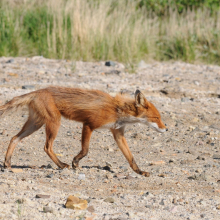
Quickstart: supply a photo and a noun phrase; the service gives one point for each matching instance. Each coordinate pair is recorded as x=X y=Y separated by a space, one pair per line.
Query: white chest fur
x=123 y=121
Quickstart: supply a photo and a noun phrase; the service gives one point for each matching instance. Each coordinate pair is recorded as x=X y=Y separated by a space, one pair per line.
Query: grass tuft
x=107 y=30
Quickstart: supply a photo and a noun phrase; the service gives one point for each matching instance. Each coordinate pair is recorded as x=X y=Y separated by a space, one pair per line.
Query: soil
x=184 y=162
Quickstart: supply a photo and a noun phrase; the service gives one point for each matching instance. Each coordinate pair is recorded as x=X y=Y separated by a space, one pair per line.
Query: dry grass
x=101 y=30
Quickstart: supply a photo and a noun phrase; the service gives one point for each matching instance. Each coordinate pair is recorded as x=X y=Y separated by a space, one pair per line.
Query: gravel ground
x=184 y=162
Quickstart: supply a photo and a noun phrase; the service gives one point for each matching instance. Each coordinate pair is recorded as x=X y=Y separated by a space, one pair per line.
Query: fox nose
x=166 y=129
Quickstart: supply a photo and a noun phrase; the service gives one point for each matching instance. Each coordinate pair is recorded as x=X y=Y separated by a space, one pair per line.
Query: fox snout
x=160 y=129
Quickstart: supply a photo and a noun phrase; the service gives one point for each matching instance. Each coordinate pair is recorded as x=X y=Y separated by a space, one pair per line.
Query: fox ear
x=139 y=98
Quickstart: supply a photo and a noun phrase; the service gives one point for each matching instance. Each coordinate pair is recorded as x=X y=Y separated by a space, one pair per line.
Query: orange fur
x=94 y=108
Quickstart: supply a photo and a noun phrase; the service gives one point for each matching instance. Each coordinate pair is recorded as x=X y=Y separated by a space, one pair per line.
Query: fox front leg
x=86 y=135
x=122 y=144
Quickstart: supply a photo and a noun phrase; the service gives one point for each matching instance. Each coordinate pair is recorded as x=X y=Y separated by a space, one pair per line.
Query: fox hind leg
x=52 y=128
x=29 y=127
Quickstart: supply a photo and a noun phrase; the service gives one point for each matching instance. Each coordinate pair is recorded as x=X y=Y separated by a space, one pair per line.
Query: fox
x=93 y=108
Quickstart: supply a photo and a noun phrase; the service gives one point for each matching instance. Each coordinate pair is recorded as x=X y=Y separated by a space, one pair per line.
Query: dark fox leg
x=86 y=135
x=122 y=144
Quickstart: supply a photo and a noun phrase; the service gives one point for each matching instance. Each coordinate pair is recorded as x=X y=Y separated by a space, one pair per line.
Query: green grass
x=107 y=29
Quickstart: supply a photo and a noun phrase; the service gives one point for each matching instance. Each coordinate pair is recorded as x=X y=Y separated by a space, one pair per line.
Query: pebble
x=76 y=203
x=16 y=170
x=174 y=209
x=50 y=175
x=10 y=61
x=216 y=156
x=91 y=209
x=47 y=209
x=110 y=63
x=157 y=163
x=41 y=196
x=116 y=72
x=110 y=149
x=81 y=176
x=191 y=151
x=200 y=158
x=109 y=200
x=28 y=87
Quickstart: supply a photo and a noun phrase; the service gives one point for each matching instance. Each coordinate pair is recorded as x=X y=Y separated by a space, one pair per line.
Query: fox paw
x=65 y=166
x=146 y=174
x=75 y=165
x=7 y=165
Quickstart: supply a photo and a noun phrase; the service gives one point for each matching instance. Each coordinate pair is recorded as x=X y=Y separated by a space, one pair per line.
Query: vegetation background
x=124 y=30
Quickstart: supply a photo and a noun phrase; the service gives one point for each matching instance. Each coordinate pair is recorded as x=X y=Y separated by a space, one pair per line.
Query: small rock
x=81 y=176
x=116 y=72
x=174 y=201
x=3 y=132
x=200 y=158
x=50 y=175
x=129 y=177
x=28 y=87
x=16 y=170
x=109 y=164
x=76 y=203
x=203 y=203
x=13 y=74
x=49 y=166
x=109 y=199
x=40 y=196
x=47 y=209
x=198 y=170
x=107 y=168
x=110 y=63
x=69 y=133
x=124 y=168
x=162 y=175
x=218 y=207
x=164 y=202
x=186 y=161
x=148 y=194
x=185 y=99
x=174 y=209
x=10 y=61
x=200 y=177
x=120 y=176
x=161 y=162
x=91 y=209
x=111 y=149
x=216 y=156
x=196 y=83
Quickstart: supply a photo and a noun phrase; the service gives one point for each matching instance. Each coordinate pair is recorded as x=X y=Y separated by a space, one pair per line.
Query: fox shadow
x=107 y=168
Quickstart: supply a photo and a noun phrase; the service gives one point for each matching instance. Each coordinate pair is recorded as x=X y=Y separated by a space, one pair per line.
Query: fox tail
x=17 y=102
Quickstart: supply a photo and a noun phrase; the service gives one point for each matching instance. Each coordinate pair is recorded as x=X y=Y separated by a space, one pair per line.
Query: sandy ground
x=184 y=162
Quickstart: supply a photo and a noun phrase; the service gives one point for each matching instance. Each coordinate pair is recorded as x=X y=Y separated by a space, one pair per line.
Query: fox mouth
x=156 y=128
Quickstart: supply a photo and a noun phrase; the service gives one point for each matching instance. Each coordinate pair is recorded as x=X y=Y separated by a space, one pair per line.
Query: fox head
x=148 y=113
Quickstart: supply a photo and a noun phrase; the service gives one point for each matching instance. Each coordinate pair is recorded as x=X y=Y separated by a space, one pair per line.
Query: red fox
x=94 y=108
